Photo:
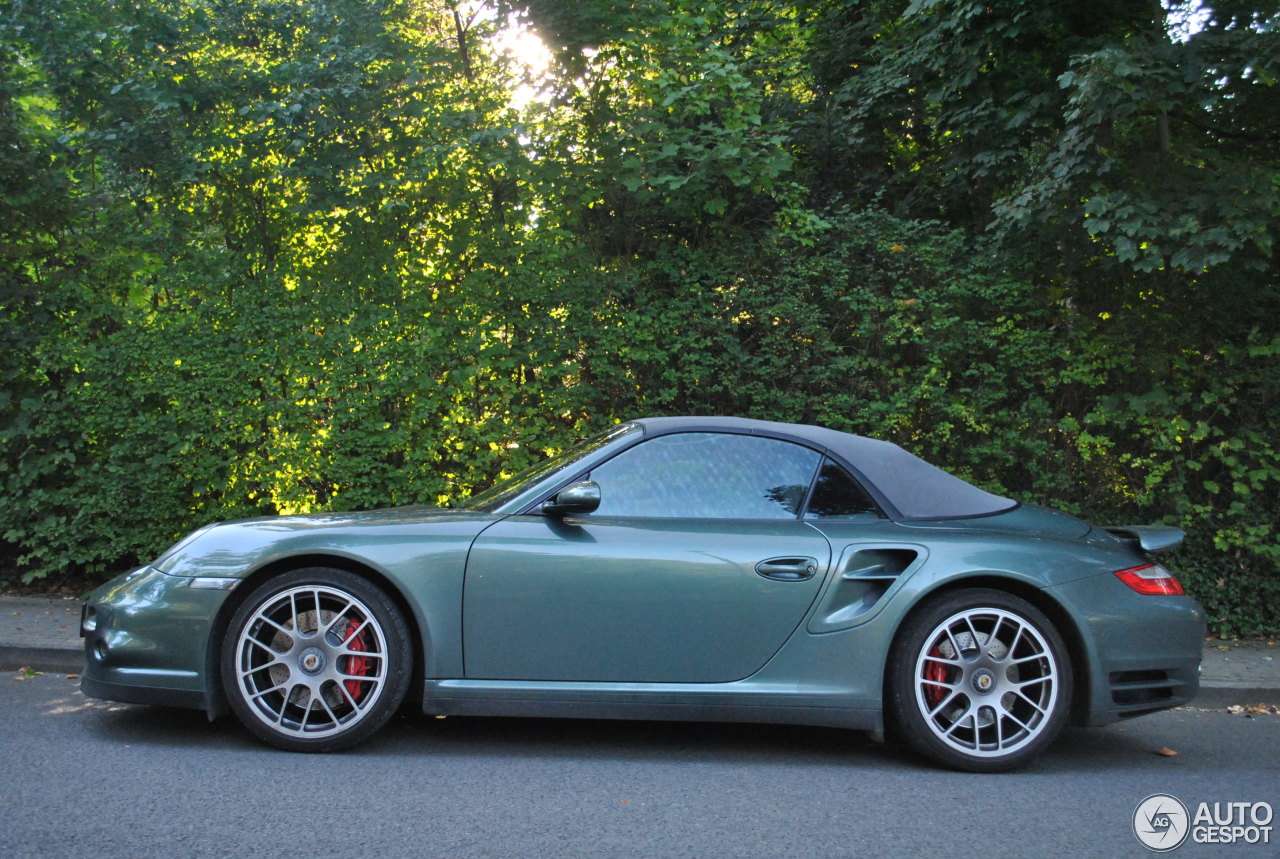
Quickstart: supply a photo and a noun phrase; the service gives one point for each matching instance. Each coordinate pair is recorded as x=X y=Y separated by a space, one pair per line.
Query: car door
x=694 y=569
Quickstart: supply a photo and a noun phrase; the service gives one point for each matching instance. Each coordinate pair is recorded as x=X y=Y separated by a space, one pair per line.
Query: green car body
x=518 y=608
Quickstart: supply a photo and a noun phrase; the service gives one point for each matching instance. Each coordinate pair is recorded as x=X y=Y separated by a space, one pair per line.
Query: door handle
x=788 y=569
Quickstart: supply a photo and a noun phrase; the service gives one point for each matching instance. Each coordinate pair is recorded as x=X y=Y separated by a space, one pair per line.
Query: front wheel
x=316 y=660
x=979 y=680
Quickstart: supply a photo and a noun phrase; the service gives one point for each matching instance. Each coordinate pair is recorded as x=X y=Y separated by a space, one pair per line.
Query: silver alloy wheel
x=986 y=682
x=311 y=661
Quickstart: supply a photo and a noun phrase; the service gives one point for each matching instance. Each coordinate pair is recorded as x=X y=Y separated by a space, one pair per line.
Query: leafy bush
x=307 y=257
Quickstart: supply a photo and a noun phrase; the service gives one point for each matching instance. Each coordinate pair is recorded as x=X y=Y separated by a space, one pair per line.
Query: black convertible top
x=911 y=487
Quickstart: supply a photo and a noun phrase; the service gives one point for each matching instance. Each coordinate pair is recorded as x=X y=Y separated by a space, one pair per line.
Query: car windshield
x=505 y=490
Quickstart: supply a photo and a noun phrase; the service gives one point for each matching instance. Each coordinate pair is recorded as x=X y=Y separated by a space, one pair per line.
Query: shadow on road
x=1118 y=748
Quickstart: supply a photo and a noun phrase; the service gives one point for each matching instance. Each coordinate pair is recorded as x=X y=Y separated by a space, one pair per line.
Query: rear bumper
x=1137 y=691
x=1140 y=654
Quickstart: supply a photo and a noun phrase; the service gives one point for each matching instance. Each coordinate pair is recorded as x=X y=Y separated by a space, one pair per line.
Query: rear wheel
x=316 y=660
x=979 y=680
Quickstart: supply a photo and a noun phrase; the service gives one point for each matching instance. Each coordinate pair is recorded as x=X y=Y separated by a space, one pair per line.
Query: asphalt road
x=80 y=777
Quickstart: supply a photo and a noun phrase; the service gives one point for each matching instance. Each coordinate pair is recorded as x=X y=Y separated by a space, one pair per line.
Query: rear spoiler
x=1151 y=539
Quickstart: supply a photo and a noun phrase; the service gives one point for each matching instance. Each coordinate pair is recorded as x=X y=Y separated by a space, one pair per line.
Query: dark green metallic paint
x=1152 y=539
x=151 y=632
x=421 y=550
x=519 y=612
x=658 y=600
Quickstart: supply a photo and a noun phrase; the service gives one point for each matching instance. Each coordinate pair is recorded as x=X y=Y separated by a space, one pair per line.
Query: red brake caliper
x=357 y=665
x=935 y=672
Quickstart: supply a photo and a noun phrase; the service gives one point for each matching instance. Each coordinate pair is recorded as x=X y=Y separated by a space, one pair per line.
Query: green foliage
x=262 y=258
x=1200 y=448
x=676 y=127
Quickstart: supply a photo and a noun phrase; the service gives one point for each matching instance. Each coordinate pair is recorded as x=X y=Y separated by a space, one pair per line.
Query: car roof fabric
x=915 y=488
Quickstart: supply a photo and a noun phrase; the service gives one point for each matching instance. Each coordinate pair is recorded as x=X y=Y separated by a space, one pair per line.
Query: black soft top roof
x=911 y=487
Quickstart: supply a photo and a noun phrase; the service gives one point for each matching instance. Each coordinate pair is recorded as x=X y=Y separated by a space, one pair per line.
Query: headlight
x=213 y=583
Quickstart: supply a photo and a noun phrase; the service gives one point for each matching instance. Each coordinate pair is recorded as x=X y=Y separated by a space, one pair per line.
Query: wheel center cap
x=312 y=660
x=983 y=680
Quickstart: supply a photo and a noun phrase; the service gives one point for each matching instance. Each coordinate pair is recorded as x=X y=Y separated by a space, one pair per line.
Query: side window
x=838 y=495
x=707 y=476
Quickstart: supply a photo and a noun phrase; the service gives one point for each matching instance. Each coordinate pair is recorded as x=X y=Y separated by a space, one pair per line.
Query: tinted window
x=837 y=494
x=707 y=476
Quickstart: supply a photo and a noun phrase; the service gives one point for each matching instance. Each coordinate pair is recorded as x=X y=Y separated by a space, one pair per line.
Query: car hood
x=236 y=547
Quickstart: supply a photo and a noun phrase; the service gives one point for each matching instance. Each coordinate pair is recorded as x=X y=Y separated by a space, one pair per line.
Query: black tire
x=978 y=680
x=316 y=660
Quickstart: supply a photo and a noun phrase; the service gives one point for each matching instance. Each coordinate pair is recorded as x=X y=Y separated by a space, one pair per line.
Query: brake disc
x=998 y=650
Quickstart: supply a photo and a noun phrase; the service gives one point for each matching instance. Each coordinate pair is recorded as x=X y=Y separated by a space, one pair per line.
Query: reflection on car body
x=673 y=568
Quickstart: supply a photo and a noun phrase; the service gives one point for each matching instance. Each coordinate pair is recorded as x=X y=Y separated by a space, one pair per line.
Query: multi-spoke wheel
x=980 y=680
x=316 y=660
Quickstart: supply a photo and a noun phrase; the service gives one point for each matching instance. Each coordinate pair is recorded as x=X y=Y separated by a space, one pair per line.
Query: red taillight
x=1151 y=579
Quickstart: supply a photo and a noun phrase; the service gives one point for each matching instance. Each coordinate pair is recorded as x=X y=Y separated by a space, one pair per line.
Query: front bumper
x=147 y=640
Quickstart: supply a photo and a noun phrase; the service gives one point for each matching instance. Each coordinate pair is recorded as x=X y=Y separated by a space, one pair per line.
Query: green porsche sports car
x=670 y=568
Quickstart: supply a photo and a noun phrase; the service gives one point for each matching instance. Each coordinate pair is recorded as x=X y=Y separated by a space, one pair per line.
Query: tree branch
x=462 y=44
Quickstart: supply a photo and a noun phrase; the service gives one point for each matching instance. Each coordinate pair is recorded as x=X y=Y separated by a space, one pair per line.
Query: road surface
x=83 y=777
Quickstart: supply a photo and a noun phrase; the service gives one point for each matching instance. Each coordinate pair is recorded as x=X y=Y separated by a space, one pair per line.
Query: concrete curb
x=49 y=659
x=1217 y=697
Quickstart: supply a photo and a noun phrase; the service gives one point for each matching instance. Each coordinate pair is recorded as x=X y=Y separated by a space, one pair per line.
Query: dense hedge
x=305 y=256
x=894 y=329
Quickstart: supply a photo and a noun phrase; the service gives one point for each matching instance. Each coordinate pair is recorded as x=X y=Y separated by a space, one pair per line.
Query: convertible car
x=670 y=568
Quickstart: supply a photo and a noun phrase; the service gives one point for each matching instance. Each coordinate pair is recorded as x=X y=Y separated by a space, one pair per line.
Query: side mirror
x=576 y=498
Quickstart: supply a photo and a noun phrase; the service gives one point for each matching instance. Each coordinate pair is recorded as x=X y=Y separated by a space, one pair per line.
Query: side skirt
x=661 y=702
